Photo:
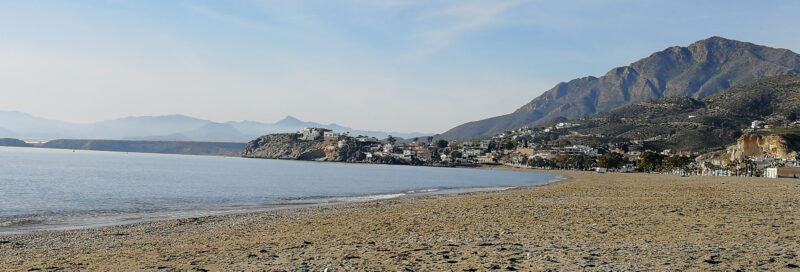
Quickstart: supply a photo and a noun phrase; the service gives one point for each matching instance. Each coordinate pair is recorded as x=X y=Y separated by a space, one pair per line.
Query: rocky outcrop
x=289 y=146
x=285 y=146
x=752 y=145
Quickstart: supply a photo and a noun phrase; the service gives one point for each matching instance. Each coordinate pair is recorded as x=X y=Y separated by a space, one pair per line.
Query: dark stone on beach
x=4 y=242
x=712 y=260
x=162 y=267
x=511 y=268
x=252 y=256
x=262 y=251
x=791 y=265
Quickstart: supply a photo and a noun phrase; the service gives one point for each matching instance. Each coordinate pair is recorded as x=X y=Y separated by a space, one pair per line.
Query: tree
x=508 y=145
x=792 y=116
x=611 y=160
x=416 y=139
x=430 y=139
x=541 y=162
x=676 y=161
x=391 y=139
x=441 y=143
x=455 y=154
x=577 y=162
x=650 y=161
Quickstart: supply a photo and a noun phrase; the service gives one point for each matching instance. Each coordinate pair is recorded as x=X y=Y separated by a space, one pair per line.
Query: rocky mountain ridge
x=697 y=71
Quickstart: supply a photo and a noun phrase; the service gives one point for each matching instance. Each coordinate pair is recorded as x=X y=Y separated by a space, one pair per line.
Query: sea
x=56 y=189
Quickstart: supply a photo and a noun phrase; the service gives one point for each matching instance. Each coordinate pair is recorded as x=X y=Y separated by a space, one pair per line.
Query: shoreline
x=587 y=221
x=78 y=223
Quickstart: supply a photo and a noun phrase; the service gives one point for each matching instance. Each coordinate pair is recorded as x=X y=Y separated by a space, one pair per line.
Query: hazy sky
x=370 y=64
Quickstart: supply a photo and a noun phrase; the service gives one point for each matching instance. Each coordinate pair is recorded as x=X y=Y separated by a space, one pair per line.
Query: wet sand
x=588 y=222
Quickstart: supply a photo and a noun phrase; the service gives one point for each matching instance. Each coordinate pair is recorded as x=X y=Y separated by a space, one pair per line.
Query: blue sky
x=384 y=64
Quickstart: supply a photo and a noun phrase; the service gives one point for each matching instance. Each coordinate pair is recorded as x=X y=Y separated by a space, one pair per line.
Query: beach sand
x=590 y=221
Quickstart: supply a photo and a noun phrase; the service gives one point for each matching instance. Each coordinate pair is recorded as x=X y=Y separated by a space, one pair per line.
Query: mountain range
x=697 y=71
x=681 y=123
x=163 y=128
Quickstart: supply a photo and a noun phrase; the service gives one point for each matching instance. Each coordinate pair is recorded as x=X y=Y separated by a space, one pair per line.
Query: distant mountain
x=697 y=71
x=291 y=124
x=6 y=132
x=18 y=124
x=162 y=128
x=686 y=124
x=145 y=126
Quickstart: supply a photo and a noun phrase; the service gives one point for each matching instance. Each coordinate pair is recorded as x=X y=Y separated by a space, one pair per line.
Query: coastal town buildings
x=521 y=147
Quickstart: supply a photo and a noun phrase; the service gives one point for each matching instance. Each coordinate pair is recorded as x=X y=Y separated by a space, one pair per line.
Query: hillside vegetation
x=684 y=123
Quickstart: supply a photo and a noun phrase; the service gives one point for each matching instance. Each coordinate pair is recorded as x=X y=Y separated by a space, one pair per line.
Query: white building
x=310 y=134
x=331 y=134
x=388 y=148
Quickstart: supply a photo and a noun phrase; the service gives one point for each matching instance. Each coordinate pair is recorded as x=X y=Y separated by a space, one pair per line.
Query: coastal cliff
x=752 y=145
x=285 y=146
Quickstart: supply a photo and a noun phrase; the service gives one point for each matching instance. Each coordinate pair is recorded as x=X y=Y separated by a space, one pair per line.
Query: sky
x=392 y=65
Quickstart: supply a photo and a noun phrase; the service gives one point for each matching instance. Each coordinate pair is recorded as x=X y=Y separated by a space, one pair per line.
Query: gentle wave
x=423 y=191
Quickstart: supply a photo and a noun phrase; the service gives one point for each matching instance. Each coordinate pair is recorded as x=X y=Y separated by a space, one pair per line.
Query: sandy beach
x=589 y=221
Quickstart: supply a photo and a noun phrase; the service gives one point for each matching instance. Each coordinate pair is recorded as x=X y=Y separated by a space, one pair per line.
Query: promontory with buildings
x=750 y=130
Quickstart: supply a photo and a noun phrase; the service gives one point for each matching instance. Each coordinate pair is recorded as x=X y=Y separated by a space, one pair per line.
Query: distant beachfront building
x=782 y=172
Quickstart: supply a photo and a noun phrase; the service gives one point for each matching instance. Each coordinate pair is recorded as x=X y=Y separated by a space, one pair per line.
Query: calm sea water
x=60 y=189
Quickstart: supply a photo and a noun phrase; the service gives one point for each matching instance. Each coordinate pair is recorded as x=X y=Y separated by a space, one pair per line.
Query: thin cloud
x=217 y=15
x=464 y=18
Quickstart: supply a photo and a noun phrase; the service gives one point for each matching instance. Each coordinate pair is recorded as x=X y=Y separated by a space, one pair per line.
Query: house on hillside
x=311 y=134
x=330 y=134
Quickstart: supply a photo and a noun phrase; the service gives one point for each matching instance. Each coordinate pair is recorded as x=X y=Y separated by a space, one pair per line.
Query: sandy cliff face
x=751 y=145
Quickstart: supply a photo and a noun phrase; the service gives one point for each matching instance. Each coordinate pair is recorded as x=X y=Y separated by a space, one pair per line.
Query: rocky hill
x=697 y=71
x=684 y=123
x=285 y=146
